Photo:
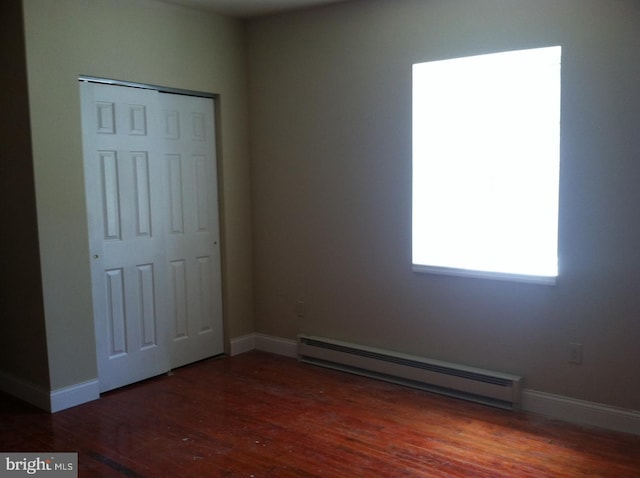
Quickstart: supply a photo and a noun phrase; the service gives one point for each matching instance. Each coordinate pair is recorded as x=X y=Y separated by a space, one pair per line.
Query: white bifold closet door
x=151 y=188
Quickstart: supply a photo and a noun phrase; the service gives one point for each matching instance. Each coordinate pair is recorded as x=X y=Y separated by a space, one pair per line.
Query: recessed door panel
x=138 y=120
x=110 y=194
x=147 y=306
x=142 y=193
x=202 y=193
x=105 y=117
x=205 y=322
x=174 y=172
x=115 y=313
x=178 y=299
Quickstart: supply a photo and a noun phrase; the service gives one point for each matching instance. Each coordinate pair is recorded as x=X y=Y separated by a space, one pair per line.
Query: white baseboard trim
x=243 y=344
x=277 y=345
x=581 y=412
x=25 y=390
x=265 y=343
x=50 y=401
x=76 y=394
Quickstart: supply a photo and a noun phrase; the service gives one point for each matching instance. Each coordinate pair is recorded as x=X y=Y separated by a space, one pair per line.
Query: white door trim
x=146 y=86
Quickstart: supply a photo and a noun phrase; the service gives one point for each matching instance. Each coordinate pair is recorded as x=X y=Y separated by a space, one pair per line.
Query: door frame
x=148 y=86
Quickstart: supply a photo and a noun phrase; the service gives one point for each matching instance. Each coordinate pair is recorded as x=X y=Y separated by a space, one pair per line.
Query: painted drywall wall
x=330 y=109
x=22 y=328
x=140 y=41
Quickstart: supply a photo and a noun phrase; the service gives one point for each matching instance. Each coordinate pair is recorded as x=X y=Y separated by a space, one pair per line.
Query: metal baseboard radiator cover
x=483 y=386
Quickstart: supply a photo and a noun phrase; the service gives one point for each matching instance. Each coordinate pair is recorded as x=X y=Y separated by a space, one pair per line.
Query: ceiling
x=249 y=8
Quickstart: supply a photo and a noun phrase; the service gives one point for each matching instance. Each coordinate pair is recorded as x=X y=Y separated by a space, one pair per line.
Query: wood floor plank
x=261 y=415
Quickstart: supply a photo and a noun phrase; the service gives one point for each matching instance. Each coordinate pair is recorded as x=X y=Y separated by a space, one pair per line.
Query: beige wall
x=330 y=102
x=330 y=175
x=140 y=41
x=22 y=330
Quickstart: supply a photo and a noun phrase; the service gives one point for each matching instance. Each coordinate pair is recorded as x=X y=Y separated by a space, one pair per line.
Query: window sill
x=502 y=276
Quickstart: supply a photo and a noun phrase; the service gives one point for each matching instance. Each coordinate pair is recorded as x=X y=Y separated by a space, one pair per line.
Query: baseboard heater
x=469 y=383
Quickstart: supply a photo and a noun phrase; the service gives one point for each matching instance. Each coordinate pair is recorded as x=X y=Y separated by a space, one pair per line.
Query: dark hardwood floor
x=261 y=415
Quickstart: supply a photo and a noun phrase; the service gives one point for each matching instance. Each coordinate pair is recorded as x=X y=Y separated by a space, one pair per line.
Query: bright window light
x=486 y=157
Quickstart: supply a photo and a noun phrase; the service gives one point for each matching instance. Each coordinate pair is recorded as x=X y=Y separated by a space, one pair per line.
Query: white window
x=486 y=157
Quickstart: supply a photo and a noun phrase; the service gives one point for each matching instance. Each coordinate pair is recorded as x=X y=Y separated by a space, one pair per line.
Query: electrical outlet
x=575 y=353
x=300 y=309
